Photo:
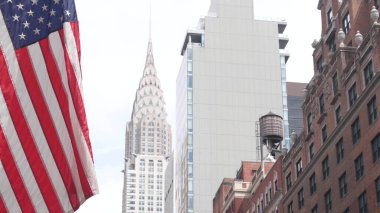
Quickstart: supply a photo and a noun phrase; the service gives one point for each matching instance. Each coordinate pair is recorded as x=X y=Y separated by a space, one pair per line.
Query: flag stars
x=36 y=31
x=41 y=19
x=16 y=17
x=34 y=2
x=30 y=13
x=67 y=13
x=22 y=36
x=44 y=7
x=56 y=1
x=52 y=12
x=61 y=18
x=26 y=24
x=49 y=25
x=9 y=1
x=20 y=6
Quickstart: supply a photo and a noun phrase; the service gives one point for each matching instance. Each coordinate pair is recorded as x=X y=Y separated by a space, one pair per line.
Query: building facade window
x=363 y=205
x=328 y=202
x=359 y=167
x=311 y=151
x=300 y=199
x=324 y=133
x=339 y=150
x=325 y=168
x=329 y=16
x=377 y=182
x=289 y=181
x=309 y=122
x=299 y=167
x=335 y=83
x=313 y=184
x=368 y=73
x=376 y=148
x=321 y=104
x=352 y=95
x=372 y=110
x=338 y=115
x=320 y=64
x=314 y=209
x=343 y=185
x=290 y=207
x=355 y=130
x=346 y=210
x=346 y=23
x=331 y=44
x=275 y=186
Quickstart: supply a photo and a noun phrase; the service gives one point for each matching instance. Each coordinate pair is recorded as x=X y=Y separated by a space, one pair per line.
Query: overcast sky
x=114 y=38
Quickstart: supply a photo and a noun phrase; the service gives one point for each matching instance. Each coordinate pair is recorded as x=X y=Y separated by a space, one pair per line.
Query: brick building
x=253 y=189
x=334 y=164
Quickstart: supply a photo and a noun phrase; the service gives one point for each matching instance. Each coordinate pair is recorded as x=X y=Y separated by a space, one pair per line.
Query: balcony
x=282 y=40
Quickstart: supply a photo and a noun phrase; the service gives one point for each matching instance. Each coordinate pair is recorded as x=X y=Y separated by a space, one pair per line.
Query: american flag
x=46 y=159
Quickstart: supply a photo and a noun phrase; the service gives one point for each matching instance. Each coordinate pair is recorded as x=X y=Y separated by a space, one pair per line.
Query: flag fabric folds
x=46 y=159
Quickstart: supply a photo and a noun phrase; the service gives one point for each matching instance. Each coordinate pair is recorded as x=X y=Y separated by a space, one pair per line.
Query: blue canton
x=29 y=21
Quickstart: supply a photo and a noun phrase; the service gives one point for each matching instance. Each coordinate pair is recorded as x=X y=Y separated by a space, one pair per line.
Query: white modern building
x=233 y=72
x=148 y=144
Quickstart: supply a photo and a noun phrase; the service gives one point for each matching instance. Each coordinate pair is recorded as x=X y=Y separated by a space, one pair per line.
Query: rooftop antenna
x=150 y=20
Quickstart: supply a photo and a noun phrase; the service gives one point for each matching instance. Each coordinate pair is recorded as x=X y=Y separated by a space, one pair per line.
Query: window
x=377 y=182
x=329 y=17
x=299 y=167
x=346 y=23
x=289 y=181
x=346 y=210
x=335 y=83
x=372 y=110
x=359 y=167
x=343 y=185
x=376 y=148
x=363 y=207
x=300 y=199
x=339 y=150
x=267 y=198
x=314 y=209
x=368 y=73
x=331 y=44
x=322 y=104
x=324 y=133
x=290 y=207
x=319 y=64
x=190 y=82
x=313 y=184
x=275 y=186
x=309 y=122
x=325 y=167
x=311 y=151
x=328 y=202
x=270 y=193
x=355 y=130
x=352 y=95
x=338 y=115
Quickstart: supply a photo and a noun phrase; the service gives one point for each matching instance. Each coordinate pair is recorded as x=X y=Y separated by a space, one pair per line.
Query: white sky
x=114 y=37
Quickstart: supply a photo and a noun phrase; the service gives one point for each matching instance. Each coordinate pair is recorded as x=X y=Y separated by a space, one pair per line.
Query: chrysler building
x=147 y=145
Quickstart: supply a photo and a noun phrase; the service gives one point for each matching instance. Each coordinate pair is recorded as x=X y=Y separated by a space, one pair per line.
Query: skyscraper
x=233 y=71
x=147 y=145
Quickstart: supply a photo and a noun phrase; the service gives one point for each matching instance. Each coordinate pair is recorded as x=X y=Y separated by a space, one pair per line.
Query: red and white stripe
x=46 y=159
